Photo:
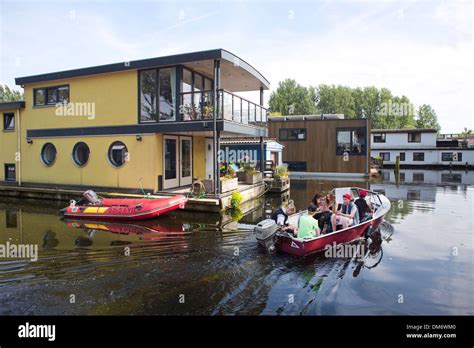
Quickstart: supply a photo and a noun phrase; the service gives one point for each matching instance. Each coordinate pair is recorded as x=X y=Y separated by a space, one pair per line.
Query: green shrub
x=236 y=199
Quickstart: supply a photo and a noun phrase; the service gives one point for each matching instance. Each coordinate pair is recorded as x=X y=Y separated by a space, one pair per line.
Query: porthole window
x=80 y=154
x=48 y=154
x=118 y=154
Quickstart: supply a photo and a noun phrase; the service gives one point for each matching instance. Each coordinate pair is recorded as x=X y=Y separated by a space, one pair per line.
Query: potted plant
x=281 y=172
x=227 y=183
x=249 y=175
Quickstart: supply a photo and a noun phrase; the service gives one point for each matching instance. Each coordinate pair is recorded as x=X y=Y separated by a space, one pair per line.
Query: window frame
x=5 y=171
x=352 y=130
x=458 y=154
x=111 y=162
x=5 y=115
x=381 y=154
x=383 y=135
x=418 y=153
x=414 y=134
x=42 y=155
x=404 y=156
x=74 y=152
x=46 y=90
x=287 y=130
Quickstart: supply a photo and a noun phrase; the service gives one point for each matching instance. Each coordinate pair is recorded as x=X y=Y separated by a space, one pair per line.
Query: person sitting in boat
x=363 y=207
x=323 y=212
x=280 y=216
x=308 y=225
x=347 y=215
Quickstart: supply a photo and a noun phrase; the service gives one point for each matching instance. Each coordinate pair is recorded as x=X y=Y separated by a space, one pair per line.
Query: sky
x=421 y=49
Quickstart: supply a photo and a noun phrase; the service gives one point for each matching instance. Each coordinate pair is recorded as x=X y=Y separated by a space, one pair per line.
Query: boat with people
x=347 y=228
x=91 y=206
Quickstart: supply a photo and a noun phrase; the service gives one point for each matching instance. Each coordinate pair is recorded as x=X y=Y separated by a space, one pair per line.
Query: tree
x=9 y=95
x=335 y=100
x=290 y=98
x=427 y=118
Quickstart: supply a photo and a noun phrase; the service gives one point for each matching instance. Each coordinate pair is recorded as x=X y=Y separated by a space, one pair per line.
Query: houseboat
x=419 y=148
x=145 y=125
x=323 y=145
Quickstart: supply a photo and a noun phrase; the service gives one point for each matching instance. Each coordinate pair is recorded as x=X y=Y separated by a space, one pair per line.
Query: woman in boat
x=347 y=215
x=280 y=216
x=323 y=212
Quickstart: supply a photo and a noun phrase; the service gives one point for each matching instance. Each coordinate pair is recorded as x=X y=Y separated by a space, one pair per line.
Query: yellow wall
x=114 y=96
x=8 y=144
x=145 y=161
x=199 y=157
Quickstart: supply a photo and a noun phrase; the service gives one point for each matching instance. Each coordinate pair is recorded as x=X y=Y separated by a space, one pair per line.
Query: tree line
x=384 y=110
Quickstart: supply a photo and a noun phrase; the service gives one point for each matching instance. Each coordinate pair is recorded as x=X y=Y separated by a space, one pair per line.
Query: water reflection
x=221 y=270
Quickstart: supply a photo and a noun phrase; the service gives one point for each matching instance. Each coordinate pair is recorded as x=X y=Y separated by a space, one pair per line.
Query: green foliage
x=290 y=98
x=236 y=199
x=9 y=95
x=427 y=118
x=248 y=169
x=380 y=106
x=281 y=171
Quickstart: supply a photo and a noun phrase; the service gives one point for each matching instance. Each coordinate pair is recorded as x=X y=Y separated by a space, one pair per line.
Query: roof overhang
x=12 y=105
x=236 y=74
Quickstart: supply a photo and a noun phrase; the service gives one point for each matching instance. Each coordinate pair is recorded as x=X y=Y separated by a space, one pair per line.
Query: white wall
x=431 y=156
x=400 y=140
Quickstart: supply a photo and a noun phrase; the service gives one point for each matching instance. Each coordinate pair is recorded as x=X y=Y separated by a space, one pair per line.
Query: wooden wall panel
x=319 y=149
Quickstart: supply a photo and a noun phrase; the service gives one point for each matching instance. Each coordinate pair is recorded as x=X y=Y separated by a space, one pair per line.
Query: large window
x=158 y=95
x=414 y=137
x=9 y=121
x=418 y=156
x=379 y=137
x=292 y=134
x=196 y=96
x=50 y=95
x=48 y=154
x=80 y=154
x=351 y=141
x=10 y=172
x=418 y=177
x=451 y=156
x=118 y=154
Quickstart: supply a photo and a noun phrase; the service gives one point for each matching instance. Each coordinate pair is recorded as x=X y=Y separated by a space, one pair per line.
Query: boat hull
x=125 y=209
x=299 y=247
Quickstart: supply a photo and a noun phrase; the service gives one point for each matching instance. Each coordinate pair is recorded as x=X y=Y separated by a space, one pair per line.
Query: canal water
x=420 y=262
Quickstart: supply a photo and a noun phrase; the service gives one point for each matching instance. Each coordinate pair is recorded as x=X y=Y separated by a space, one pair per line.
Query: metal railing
x=199 y=106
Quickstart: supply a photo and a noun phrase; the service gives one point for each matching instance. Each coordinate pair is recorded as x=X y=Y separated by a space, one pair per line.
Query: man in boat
x=307 y=224
x=280 y=216
x=364 y=209
x=347 y=215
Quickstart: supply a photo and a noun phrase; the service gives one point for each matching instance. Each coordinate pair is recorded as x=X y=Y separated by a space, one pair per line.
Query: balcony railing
x=238 y=109
x=199 y=106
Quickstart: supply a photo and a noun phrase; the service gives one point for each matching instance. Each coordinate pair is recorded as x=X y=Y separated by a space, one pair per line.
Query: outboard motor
x=92 y=197
x=266 y=233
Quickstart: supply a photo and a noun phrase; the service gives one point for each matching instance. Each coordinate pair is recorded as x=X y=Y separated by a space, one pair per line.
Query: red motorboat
x=93 y=207
x=268 y=234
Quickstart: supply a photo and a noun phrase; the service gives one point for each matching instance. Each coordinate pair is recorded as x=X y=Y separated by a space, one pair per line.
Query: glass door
x=170 y=161
x=186 y=161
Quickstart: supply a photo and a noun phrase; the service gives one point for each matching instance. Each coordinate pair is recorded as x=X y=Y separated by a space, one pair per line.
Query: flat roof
x=232 y=63
x=407 y=130
x=12 y=105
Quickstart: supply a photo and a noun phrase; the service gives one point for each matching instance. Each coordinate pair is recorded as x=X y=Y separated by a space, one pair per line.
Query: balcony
x=198 y=106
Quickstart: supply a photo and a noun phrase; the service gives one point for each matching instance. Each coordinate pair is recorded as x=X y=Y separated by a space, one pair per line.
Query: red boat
x=269 y=235
x=93 y=207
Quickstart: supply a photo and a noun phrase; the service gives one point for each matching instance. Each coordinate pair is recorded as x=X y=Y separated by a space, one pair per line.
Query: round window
x=48 y=154
x=118 y=154
x=80 y=154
